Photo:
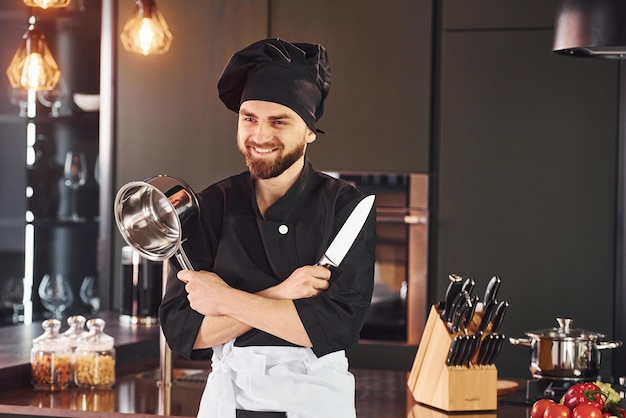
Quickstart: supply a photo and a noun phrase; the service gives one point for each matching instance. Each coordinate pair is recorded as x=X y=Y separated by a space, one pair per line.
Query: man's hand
x=304 y=282
x=204 y=290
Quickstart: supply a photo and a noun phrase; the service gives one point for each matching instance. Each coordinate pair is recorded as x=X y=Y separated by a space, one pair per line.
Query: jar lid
x=76 y=328
x=96 y=339
x=565 y=331
x=51 y=339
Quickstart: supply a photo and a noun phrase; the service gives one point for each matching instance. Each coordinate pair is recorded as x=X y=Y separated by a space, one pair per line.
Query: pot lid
x=564 y=330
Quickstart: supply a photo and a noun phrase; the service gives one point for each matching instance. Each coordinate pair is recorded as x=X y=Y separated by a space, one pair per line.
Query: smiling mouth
x=263 y=151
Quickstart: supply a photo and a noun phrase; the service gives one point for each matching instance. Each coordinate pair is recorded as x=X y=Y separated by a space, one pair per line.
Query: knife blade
x=344 y=239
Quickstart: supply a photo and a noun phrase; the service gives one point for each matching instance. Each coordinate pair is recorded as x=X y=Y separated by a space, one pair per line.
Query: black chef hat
x=295 y=75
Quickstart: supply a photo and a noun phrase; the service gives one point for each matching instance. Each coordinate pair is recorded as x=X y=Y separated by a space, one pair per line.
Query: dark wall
x=526 y=170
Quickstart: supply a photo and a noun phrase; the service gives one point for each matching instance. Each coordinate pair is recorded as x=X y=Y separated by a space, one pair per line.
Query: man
x=277 y=323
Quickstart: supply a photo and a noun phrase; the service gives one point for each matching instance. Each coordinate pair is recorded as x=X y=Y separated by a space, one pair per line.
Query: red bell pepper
x=586 y=392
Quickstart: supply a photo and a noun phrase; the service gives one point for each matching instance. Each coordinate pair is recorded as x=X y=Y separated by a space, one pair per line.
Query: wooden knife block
x=450 y=388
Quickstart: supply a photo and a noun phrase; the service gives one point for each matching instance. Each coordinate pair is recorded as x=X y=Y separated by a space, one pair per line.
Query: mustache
x=249 y=143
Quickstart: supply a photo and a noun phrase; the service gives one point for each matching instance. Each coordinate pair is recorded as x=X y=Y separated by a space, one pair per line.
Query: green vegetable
x=612 y=396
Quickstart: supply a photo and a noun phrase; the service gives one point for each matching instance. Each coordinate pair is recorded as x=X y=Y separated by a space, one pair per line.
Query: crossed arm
x=229 y=312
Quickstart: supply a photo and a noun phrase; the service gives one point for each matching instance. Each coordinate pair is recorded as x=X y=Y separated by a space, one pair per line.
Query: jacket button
x=283 y=229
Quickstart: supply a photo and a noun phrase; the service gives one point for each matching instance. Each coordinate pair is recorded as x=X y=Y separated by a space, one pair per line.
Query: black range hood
x=591 y=28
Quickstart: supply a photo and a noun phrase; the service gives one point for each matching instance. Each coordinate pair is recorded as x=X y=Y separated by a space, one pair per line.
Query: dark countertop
x=379 y=393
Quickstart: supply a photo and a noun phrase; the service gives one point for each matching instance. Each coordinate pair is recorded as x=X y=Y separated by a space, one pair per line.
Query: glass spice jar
x=95 y=358
x=76 y=330
x=51 y=358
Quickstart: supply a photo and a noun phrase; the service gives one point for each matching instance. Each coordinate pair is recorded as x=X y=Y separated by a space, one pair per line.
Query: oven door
x=398 y=309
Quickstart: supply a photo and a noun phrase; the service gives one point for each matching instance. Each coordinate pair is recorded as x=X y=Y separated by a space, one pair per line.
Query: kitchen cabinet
x=46 y=238
x=526 y=179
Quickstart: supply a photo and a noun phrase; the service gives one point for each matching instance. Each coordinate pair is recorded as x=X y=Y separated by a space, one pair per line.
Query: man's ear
x=310 y=136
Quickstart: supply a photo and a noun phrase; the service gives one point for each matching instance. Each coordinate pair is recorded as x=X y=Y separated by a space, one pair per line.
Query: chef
x=275 y=323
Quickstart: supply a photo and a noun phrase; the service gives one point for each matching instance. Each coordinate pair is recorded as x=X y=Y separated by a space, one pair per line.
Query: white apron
x=283 y=379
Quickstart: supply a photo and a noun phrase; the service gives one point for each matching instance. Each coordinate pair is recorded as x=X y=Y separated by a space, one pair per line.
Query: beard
x=262 y=168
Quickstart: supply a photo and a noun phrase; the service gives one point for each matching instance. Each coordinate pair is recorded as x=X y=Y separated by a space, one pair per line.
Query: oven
x=399 y=303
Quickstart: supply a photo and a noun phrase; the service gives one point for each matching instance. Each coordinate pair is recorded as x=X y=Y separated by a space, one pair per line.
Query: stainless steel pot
x=155 y=216
x=564 y=353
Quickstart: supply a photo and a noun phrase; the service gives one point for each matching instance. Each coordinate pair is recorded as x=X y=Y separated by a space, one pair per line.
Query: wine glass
x=55 y=99
x=89 y=293
x=13 y=294
x=56 y=294
x=19 y=97
x=75 y=175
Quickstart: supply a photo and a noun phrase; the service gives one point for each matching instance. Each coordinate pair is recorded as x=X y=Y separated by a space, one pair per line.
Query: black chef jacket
x=252 y=253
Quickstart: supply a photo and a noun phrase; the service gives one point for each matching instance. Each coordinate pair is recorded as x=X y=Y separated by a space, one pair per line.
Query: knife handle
x=492 y=289
x=497 y=347
x=454 y=290
x=498 y=316
x=488 y=311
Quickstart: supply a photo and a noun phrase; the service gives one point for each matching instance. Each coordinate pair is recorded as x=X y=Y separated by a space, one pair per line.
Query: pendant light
x=591 y=28
x=146 y=32
x=46 y=4
x=33 y=67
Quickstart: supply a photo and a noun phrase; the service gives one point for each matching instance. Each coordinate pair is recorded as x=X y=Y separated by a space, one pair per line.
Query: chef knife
x=344 y=239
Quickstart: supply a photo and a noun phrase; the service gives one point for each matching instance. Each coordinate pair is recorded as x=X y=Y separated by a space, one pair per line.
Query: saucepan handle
x=182 y=258
x=521 y=341
x=603 y=345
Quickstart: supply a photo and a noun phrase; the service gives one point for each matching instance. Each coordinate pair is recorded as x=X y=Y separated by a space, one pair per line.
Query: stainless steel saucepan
x=565 y=353
x=155 y=216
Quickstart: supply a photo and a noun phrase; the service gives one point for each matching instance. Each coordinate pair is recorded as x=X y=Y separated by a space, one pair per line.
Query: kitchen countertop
x=379 y=393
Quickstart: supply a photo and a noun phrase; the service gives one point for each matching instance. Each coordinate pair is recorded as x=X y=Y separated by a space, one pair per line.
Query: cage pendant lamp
x=45 y=4
x=33 y=67
x=146 y=32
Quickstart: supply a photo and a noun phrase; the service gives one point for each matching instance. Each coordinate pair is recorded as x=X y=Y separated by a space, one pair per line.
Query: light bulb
x=146 y=32
x=33 y=66
x=33 y=71
x=44 y=4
